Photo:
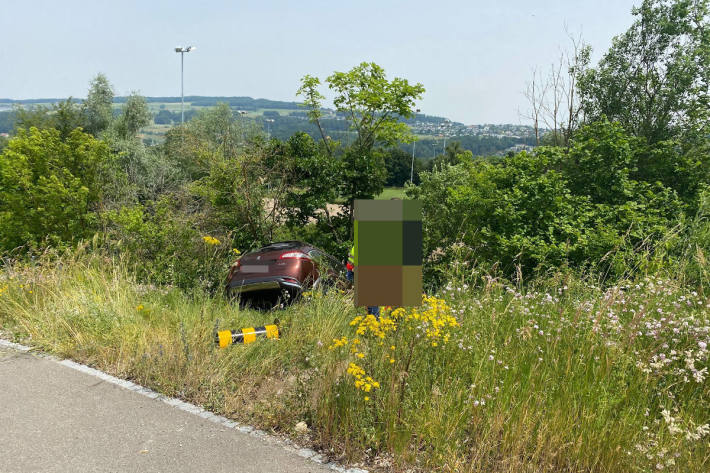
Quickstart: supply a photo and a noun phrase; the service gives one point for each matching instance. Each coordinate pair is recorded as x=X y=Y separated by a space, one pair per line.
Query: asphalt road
x=56 y=419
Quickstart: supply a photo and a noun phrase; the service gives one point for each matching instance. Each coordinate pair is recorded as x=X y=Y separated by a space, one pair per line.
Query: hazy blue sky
x=473 y=57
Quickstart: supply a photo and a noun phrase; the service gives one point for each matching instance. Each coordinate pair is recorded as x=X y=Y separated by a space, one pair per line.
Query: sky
x=473 y=57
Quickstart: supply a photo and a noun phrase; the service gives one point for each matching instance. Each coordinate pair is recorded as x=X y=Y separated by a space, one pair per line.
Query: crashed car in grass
x=281 y=271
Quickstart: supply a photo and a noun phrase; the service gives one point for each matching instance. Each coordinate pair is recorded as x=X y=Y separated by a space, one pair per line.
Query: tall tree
x=655 y=78
x=373 y=107
x=554 y=99
x=98 y=105
x=134 y=116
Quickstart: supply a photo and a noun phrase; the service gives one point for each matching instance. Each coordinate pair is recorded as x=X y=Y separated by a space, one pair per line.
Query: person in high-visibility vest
x=350 y=274
x=350 y=265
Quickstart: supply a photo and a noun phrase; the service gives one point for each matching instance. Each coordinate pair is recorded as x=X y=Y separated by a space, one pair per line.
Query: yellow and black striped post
x=247 y=335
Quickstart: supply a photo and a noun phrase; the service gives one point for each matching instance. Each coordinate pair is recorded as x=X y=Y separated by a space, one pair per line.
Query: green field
x=391 y=192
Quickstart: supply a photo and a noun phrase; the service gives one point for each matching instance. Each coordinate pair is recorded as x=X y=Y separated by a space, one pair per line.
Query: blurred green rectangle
x=379 y=243
x=411 y=286
x=412 y=210
x=378 y=210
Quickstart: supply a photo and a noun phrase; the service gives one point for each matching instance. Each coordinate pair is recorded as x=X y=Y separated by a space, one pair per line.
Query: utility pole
x=182 y=52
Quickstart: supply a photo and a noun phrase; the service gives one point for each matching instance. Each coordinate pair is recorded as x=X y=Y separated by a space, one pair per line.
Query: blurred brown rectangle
x=379 y=286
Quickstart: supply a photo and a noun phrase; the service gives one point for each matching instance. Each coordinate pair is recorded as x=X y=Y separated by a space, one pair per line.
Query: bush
x=49 y=187
x=553 y=207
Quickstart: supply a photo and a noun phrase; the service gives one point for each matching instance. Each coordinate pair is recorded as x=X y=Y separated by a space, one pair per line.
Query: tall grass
x=562 y=376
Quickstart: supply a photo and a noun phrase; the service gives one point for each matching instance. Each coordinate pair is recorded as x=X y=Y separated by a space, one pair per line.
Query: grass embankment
x=563 y=377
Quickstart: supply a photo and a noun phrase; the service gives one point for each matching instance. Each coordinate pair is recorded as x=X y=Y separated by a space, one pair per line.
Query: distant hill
x=282 y=119
x=244 y=103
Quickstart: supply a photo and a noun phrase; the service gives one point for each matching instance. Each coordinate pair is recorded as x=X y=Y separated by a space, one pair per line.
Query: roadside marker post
x=246 y=336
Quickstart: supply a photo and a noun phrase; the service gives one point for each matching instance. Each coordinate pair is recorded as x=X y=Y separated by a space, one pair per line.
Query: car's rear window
x=286 y=245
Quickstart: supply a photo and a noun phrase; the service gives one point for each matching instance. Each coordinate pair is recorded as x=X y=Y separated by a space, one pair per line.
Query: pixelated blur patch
x=379 y=285
x=380 y=243
x=411 y=286
x=388 y=252
x=412 y=243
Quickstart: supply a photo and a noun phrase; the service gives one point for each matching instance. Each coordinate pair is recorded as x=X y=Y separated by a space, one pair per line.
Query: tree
x=554 y=99
x=49 y=187
x=655 y=78
x=453 y=154
x=399 y=167
x=97 y=105
x=134 y=116
x=163 y=117
x=373 y=107
x=65 y=116
x=68 y=116
x=535 y=91
x=310 y=178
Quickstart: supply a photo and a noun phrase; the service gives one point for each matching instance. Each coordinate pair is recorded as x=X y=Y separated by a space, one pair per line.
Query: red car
x=282 y=271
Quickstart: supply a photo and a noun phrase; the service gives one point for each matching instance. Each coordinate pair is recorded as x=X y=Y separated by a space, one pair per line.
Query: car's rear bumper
x=271 y=283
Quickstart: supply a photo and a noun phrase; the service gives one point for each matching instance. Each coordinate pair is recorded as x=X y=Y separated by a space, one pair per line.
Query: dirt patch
x=333 y=210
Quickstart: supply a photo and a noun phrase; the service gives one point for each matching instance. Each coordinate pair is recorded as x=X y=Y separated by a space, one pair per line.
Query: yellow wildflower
x=338 y=342
x=212 y=241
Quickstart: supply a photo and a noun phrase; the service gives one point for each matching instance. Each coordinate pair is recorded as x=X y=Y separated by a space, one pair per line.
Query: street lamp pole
x=414 y=146
x=411 y=172
x=182 y=52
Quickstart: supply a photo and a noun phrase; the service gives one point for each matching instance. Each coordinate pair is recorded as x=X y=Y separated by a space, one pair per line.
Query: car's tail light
x=294 y=255
x=233 y=269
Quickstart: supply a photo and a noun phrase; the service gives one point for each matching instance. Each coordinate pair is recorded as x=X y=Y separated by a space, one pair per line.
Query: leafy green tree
x=97 y=105
x=65 y=116
x=453 y=154
x=398 y=165
x=37 y=116
x=49 y=187
x=655 y=78
x=600 y=161
x=310 y=173
x=163 y=117
x=373 y=106
x=211 y=131
x=134 y=116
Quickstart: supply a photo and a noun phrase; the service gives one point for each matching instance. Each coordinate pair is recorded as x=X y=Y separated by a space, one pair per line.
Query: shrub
x=49 y=187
